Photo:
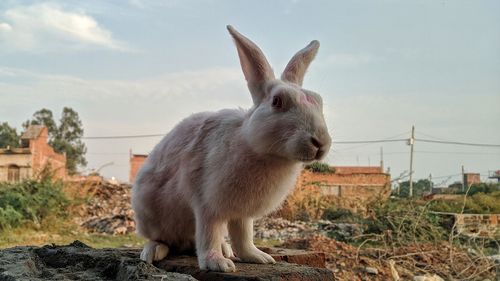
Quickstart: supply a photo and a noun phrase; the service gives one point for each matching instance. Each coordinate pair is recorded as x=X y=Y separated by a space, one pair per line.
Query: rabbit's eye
x=277 y=102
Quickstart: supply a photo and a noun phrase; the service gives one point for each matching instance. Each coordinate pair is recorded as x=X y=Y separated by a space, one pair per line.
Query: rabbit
x=215 y=172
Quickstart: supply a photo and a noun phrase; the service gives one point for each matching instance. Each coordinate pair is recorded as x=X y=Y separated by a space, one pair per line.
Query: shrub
x=305 y=203
x=483 y=188
x=479 y=203
x=319 y=167
x=403 y=222
x=340 y=215
x=31 y=200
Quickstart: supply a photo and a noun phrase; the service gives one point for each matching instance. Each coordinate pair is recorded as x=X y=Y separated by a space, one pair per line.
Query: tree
x=8 y=136
x=65 y=138
x=68 y=139
x=419 y=187
x=43 y=117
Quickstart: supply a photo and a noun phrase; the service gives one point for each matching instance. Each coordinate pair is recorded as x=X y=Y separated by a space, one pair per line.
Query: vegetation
x=8 y=136
x=319 y=167
x=482 y=188
x=37 y=211
x=478 y=203
x=31 y=201
x=65 y=137
x=419 y=187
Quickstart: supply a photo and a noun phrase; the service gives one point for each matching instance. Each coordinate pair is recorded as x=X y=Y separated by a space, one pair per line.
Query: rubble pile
x=108 y=209
x=270 y=228
x=281 y=229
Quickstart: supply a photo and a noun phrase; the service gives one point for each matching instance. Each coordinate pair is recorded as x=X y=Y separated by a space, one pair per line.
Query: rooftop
x=32 y=132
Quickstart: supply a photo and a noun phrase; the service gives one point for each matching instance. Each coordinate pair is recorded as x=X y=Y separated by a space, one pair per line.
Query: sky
x=140 y=66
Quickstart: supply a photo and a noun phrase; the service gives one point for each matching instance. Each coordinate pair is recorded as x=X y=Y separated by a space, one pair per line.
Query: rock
x=371 y=270
x=246 y=271
x=495 y=258
x=78 y=261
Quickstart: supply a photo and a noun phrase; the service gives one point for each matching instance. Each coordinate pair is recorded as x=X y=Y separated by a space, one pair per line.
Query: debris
x=428 y=278
x=108 y=209
x=394 y=272
x=371 y=270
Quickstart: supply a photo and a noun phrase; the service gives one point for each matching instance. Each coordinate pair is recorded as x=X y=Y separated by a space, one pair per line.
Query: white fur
x=217 y=171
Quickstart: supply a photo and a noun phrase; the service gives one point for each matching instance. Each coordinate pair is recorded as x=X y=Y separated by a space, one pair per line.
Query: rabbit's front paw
x=217 y=262
x=255 y=255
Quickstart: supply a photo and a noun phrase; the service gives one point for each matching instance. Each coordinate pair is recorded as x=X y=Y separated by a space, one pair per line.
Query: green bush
x=9 y=217
x=479 y=203
x=31 y=200
x=319 y=167
x=341 y=215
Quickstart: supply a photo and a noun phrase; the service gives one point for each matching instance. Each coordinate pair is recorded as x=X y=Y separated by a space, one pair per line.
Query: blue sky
x=139 y=67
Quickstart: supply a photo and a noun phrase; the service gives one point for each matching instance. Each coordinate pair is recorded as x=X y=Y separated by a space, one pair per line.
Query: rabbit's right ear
x=253 y=63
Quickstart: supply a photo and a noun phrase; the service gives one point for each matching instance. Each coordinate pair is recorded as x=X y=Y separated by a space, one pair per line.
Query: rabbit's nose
x=322 y=145
x=315 y=142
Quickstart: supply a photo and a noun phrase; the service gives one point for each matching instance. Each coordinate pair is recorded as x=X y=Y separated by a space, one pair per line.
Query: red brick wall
x=361 y=179
x=136 y=162
x=472 y=178
x=43 y=154
x=358 y=170
x=350 y=187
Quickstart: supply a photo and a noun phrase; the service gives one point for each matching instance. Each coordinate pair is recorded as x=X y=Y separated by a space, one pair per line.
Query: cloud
x=48 y=27
x=5 y=27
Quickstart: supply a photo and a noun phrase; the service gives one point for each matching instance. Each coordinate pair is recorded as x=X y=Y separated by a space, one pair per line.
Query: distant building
x=352 y=186
x=136 y=162
x=494 y=175
x=29 y=159
x=471 y=178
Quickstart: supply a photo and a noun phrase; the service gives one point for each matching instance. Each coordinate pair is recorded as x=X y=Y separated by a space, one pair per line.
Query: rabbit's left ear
x=296 y=69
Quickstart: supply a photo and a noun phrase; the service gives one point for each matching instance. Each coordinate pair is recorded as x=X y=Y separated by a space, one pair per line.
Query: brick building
x=31 y=157
x=351 y=187
x=471 y=178
x=136 y=162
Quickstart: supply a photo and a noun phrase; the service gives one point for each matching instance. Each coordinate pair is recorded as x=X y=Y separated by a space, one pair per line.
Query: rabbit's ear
x=296 y=69
x=253 y=62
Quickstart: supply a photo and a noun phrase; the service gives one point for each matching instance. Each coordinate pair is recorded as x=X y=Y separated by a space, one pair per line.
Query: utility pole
x=431 y=185
x=463 y=179
x=382 y=158
x=411 y=142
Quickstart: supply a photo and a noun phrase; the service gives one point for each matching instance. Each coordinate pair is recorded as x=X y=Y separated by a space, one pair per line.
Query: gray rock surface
x=78 y=261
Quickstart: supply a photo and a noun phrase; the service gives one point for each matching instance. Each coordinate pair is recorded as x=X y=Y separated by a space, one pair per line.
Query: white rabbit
x=217 y=171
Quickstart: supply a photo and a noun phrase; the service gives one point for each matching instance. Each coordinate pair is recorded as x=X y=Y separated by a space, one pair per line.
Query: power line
x=124 y=137
x=459 y=143
x=418 y=152
x=367 y=144
x=368 y=141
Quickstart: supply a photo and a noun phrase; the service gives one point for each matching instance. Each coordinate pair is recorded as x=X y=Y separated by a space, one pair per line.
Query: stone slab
x=247 y=272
